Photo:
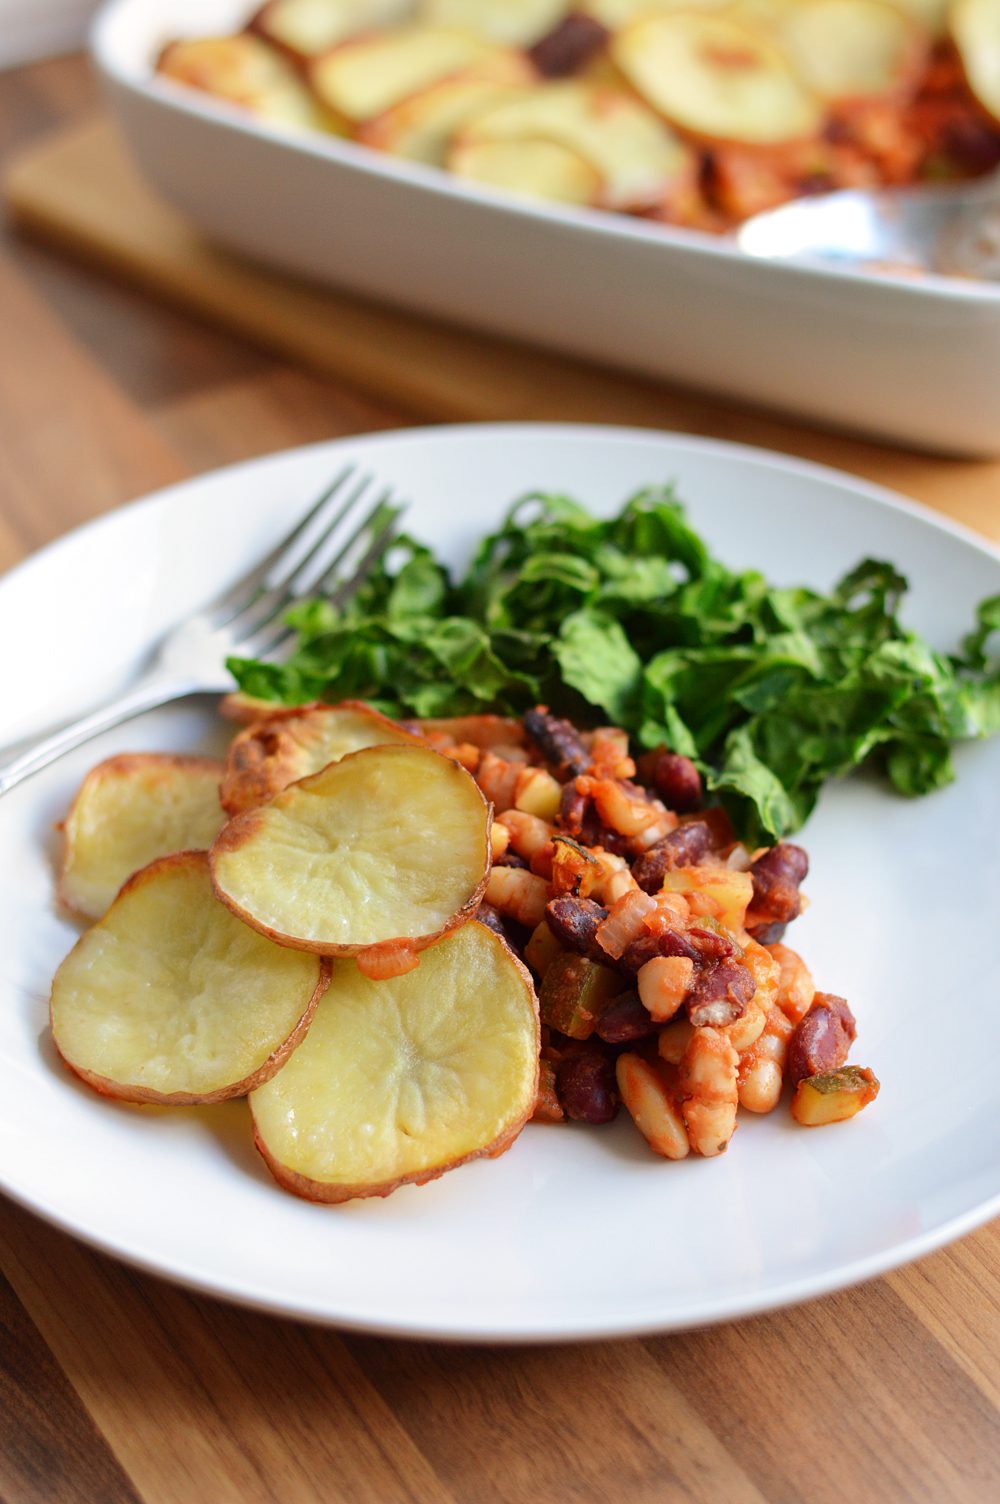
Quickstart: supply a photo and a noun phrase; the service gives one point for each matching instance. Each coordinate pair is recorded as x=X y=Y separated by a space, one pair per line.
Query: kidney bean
x=569 y=45
x=766 y=934
x=776 y=878
x=720 y=995
x=677 y=781
x=574 y=808
x=587 y=1088
x=574 y=922
x=487 y=914
x=510 y=858
x=684 y=847
x=822 y=1039
x=709 y=945
x=558 y=741
x=647 y=947
x=625 y=1019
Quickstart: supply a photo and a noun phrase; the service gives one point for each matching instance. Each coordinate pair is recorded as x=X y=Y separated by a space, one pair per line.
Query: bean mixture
x=655 y=938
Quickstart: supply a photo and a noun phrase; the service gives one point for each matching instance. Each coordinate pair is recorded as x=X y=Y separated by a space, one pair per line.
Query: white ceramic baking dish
x=915 y=361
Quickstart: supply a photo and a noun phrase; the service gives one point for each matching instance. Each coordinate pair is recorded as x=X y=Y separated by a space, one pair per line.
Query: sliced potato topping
x=402 y=1080
x=267 y=757
x=368 y=75
x=421 y=128
x=513 y=23
x=975 y=30
x=617 y=13
x=245 y=71
x=716 y=78
x=171 y=999
x=391 y=843
x=130 y=810
x=537 y=169
x=636 y=154
x=309 y=27
x=853 y=49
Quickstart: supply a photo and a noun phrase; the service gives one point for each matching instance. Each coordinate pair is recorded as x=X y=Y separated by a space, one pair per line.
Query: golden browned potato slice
x=854 y=49
x=931 y=14
x=400 y=1081
x=716 y=79
x=130 y=810
x=390 y=844
x=975 y=30
x=366 y=76
x=536 y=169
x=484 y=731
x=246 y=709
x=244 y=71
x=636 y=154
x=170 y=999
x=307 y=28
x=512 y=23
x=617 y=13
x=421 y=128
x=266 y=758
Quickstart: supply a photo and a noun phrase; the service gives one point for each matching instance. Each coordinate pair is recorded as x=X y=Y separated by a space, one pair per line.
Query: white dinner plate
x=577 y=1232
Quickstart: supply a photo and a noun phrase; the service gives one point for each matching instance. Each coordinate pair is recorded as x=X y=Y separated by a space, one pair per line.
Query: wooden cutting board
x=79 y=191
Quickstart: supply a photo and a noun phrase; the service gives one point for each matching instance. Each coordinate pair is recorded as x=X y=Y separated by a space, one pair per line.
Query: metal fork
x=330 y=552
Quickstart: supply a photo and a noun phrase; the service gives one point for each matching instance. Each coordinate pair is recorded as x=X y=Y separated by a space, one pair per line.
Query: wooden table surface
x=118 y=1387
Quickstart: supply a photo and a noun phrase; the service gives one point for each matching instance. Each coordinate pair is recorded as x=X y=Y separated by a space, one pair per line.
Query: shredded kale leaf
x=772 y=690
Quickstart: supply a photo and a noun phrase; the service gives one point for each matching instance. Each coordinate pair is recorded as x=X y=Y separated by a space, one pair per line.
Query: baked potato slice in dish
x=535 y=168
x=717 y=79
x=511 y=23
x=636 y=154
x=975 y=30
x=368 y=75
x=387 y=849
x=854 y=49
x=130 y=810
x=307 y=28
x=267 y=757
x=421 y=128
x=400 y=1081
x=245 y=71
x=170 y=999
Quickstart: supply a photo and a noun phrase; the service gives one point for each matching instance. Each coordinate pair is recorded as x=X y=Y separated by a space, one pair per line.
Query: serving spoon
x=952 y=231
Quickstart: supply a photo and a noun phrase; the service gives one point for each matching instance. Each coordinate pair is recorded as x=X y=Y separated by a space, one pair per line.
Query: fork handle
x=145 y=695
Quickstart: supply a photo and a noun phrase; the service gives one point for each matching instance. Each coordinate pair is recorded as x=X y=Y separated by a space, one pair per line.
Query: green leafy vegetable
x=772 y=689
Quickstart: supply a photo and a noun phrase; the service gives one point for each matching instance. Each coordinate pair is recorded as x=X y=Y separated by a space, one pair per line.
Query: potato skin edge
x=230 y=839
x=244 y=785
x=327 y=1194
x=146 y=1096
x=122 y=762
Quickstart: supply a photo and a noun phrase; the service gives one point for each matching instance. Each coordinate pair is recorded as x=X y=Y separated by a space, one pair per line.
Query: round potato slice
x=267 y=757
x=537 y=169
x=975 y=30
x=367 y=75
x=400 y=1081
x=717 y=79
x=513 y=23
x=635 y=153
x=170 y=999
x=244 y=71
x=421 y=127
x=854 y=49
x=129 y=811
x=305 y=28
x=388 y=845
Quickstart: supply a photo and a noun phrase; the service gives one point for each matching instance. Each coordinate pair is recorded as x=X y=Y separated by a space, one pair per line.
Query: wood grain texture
x=117 y=1386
